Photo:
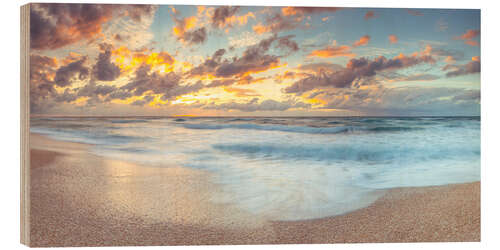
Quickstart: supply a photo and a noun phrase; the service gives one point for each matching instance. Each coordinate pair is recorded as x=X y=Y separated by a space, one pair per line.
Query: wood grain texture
x=25 y=114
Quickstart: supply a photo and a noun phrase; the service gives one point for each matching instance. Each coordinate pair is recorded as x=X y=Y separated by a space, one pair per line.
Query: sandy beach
x=80 y=199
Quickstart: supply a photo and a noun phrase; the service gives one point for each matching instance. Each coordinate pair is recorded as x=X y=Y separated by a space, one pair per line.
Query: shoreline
x=79 y=199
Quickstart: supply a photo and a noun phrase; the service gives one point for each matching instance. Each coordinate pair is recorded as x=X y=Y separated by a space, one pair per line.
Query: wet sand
x=79 y=199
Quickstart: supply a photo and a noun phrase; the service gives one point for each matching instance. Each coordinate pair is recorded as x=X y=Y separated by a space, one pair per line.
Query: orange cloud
x=42 y=69
x=239 y=20
x=56 y=25
x=260 y=29
x=333 y=51
x=289 y=11
x=183 y=25
x=239 y=92
x=292 y=11
x=468 y=36
x=393 y=39
x=71 y=57
x=127 y=60
x=185 y=31
x=174 y=10
x=471 y=43
x=362 y=41
x=356 y=69
x=242 y=20
x=450 y=59
x=261 y=69
x=200 y=9
x=369 y=14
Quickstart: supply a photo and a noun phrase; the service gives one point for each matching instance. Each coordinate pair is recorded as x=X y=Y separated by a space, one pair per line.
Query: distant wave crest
x=299 y=129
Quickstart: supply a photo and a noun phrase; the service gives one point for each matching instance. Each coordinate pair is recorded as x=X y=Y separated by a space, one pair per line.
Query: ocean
x=290 y=168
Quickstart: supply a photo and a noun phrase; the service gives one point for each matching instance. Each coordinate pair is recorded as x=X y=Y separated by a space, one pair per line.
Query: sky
x=119 y=60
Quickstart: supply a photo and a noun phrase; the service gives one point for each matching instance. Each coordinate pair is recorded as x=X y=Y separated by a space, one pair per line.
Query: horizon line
x=255 y=116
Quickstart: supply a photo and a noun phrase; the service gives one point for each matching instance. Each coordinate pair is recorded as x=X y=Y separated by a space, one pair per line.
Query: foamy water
x=290 y=168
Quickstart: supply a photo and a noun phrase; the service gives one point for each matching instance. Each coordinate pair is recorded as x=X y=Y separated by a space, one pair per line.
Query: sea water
x=290 y=168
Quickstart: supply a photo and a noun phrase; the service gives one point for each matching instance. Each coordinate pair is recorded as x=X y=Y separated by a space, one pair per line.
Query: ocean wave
x=392 y=129
x=241 y=119
x=301 y=129
x=359 y=152
x=283 y=128
x=128 y=121
x=92 y=136
x=317 y=152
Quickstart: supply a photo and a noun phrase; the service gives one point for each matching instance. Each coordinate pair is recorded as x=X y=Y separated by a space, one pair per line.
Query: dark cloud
x=145 y=81
x=183 y=32
x=254 y=59
x=42 y=70
x=92 y=89
x=248 y=79
x=56 y=25
x=137 y=11
x=471 y=67
x=309 y=71
x=356 y=69
x=276 y=23
x=318 y=67
x=196 y=36
x=104 y=69
x=396 y=77
x=289 y=18
x=404 y=101
x=66 y=96
x=167 y=85
x=222 y=15
x=120 y=94
x=314 y=94
x=66 y=74
x=286 y=43
x=120 y=38
x=209 y=65
x=339 y=79
x=218 y=83
x=44 y=75
x=293 y=11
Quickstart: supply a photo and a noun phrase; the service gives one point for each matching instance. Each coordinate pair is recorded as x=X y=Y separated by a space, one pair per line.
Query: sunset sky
x=253 y=61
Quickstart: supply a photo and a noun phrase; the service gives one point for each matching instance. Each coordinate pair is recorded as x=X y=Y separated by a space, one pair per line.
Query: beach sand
x=80 y=199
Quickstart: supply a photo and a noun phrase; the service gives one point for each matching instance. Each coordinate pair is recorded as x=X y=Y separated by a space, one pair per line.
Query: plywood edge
x=25 y=114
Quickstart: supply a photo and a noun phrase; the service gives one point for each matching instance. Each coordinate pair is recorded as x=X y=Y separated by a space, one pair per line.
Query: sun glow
x=128 y=60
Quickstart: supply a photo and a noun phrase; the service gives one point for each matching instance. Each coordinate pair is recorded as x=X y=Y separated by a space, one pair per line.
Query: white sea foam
x=292 y=168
